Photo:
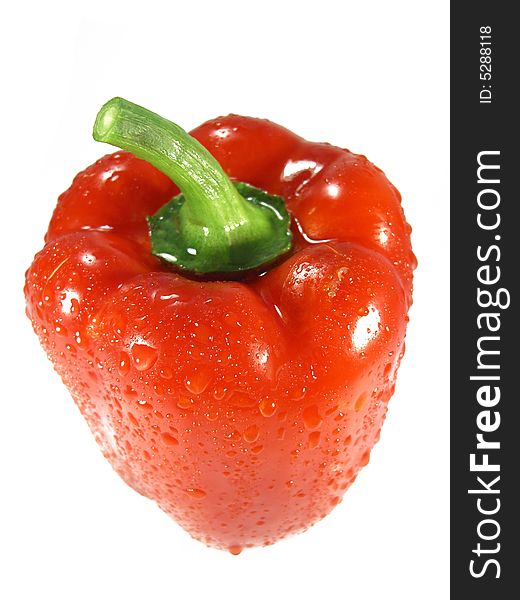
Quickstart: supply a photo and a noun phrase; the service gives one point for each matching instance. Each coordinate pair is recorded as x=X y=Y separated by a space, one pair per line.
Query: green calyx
x=214 y=225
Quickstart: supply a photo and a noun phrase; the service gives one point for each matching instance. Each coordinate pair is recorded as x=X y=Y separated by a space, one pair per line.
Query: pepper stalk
x=215 y=225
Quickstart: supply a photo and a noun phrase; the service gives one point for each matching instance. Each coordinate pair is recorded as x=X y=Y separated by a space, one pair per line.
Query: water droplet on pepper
x=144 y=356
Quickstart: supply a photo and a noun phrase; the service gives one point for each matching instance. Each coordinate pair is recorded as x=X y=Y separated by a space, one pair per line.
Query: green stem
x=215 y=225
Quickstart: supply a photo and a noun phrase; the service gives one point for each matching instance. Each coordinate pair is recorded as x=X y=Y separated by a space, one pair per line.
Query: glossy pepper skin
x=245 y=408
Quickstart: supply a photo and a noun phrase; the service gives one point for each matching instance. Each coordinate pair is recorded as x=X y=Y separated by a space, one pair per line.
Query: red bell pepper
x=234 y=356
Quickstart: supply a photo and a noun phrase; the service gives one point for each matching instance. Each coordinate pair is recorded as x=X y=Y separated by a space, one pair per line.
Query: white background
x=372 y=76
